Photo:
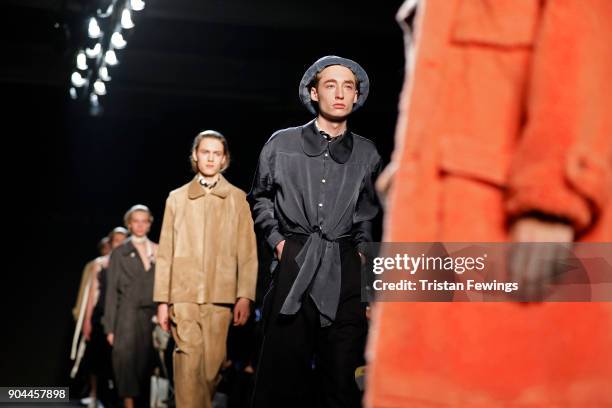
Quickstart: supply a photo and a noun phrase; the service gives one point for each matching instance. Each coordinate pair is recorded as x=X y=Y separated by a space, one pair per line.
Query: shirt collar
x=203 y=181
x=220 y=190
x=314 y=144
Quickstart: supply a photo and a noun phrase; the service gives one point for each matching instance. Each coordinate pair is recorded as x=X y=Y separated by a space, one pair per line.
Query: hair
x=138 y=207
x=117 y=230
x=104 y=241
x=317 y=77
x=211 y=134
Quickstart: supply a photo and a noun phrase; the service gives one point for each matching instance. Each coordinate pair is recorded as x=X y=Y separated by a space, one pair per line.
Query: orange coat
x=507 y=110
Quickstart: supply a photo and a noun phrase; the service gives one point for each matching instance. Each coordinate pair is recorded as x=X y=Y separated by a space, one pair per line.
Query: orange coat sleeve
x=563 y=160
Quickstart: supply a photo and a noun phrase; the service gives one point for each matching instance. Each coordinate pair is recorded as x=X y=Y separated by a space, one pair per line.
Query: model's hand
x=362 y=258
x=385 y=180
x=532 y=229
x=533 y=266
x=279 y=249
x=162 y=316
x=87 y=329
x=110 y=337
x=242 y=310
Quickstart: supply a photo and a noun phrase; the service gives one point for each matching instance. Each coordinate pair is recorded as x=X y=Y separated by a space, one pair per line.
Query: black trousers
x=302 y=364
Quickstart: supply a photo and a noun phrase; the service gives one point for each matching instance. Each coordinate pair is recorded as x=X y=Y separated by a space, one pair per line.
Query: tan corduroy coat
x=207 y=250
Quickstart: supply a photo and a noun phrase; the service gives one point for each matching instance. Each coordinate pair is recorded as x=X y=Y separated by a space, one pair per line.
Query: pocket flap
x=506 y=23
x=466 y=158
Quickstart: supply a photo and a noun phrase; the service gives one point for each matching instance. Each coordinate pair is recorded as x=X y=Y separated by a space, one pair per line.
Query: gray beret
x=322 y=63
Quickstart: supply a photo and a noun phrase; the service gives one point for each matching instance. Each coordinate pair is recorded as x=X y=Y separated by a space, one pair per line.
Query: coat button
x=320 y=204
x=323 y=181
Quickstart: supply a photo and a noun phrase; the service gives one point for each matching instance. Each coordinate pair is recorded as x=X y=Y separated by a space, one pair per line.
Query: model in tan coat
x=505 y=133
x=206 y=264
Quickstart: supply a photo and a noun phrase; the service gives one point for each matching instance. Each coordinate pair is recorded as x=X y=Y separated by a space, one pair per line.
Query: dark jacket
x=325 y=190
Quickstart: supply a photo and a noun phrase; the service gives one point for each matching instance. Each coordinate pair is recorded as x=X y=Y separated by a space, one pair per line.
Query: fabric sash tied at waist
x=319 y=263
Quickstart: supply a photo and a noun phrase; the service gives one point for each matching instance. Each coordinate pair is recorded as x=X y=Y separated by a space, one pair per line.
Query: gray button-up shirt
x=307 y=185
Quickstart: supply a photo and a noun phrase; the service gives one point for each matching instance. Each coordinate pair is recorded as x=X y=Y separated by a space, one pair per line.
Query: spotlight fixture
x=93 y=52
x=137 y=5
x=93 y=29
x=118 y=41
x=99 y=87
x=77 y=80
x=81 y=61
x=103 y=73
x=93 y=99
x=106 y=13
x=126 y=19
x=111 y=58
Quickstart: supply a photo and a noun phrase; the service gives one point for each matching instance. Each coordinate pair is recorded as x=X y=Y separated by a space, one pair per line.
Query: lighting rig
x=107 y=31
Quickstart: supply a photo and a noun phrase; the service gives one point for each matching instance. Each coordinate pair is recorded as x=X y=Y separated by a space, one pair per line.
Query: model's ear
x=313 y=94
x=194 y=156
x=356 y=97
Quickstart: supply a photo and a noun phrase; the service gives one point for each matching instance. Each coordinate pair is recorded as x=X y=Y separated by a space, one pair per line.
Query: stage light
x=94 y=29
x=107 y=13
x=97 y=56
x=93 y=99
x=137 y=5
x=81 y=61
x=126 y=19
x=118 y=41
x=111 y=58
x=93 y=52
x=77 y=80
x=103 y=73
x=99 y=87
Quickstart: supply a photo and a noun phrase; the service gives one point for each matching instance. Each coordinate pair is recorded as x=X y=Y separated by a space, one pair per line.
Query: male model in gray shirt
x=314 y=201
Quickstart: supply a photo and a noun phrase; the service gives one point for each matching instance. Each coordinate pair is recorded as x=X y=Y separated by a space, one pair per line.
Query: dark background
x=190 y=65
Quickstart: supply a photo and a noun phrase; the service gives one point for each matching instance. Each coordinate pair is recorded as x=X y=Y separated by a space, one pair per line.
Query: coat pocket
x=225 y=279
x=501 y=23
x=227 y=265
x=185 y=276
x=466 y=158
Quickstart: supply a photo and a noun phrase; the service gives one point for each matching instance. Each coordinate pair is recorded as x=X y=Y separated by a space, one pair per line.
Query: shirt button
x=325 y=154
x=323 y=181
x=320 y=204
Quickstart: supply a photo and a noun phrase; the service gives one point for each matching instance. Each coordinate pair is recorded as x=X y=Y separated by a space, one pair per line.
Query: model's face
x=106 y=248
x=117 y=239
x=336 y=92
x=140 y=223
x=209 y=156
